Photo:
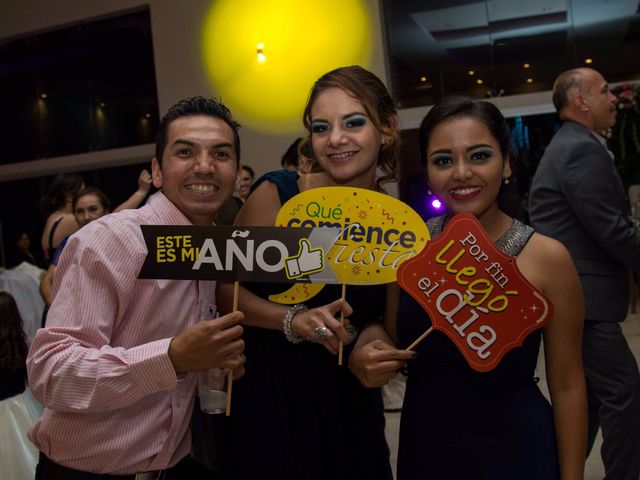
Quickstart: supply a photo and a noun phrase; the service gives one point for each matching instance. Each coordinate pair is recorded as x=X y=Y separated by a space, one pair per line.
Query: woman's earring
x=429 y=192
x=385 y=139
x=506 y=180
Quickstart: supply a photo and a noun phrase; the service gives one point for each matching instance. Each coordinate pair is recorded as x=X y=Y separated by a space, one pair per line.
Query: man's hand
x=376 y=363
x=215 y=343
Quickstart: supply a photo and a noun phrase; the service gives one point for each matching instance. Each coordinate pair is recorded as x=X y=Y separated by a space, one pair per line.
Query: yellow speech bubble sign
x=377 y=232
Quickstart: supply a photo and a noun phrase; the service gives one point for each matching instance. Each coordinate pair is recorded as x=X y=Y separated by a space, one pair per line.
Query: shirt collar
x=166 y=211
x=603 y=142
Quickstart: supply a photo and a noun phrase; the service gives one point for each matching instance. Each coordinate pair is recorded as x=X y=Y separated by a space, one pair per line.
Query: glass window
x=78 y=89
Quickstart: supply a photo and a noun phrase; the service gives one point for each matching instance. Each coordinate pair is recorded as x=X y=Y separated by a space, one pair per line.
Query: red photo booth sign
x=474 y=293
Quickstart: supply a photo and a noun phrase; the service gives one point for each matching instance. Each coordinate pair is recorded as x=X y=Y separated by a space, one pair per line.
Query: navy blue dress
x=296 y=414
x=458 y=423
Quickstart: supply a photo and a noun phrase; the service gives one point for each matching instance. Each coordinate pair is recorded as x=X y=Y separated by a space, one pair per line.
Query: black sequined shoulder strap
x=511 y=242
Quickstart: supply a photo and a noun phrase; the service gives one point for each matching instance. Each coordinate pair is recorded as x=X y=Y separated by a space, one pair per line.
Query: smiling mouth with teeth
x=341 y=156
x=459 y=193
x=199 y=188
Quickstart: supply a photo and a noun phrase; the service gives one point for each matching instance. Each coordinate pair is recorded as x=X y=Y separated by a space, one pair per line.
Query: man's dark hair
x=249 y=170
x=211 y=107
x=290 y=157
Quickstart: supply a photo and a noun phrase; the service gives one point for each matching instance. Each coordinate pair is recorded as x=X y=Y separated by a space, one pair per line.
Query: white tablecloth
x=18 y=456
x=27 y=296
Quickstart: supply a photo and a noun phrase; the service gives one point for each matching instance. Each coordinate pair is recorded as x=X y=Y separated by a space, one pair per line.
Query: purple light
x=436 y=204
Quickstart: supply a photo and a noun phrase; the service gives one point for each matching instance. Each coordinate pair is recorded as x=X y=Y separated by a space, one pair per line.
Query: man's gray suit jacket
x=577 y=197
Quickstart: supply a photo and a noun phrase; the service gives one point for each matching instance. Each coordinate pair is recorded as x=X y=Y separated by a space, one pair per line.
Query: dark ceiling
x=505 y=47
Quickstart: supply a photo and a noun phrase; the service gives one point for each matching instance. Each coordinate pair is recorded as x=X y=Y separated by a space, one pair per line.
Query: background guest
x=88 y=204
x=18 y=409
x=227 y=213
x=578 y=198
x=60 y=221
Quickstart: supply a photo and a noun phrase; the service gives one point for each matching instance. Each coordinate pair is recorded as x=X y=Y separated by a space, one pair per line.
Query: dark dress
x=296 y=414
x=461 y=424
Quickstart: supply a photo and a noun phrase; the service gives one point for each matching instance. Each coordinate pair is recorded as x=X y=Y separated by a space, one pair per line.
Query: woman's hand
x=144 y=182
x=321 y=326
x=376 y=363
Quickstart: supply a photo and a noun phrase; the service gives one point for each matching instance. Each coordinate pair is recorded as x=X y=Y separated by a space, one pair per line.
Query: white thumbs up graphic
x=307 y=261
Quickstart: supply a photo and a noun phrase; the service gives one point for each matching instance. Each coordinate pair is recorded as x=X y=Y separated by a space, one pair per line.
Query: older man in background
x=577 y=197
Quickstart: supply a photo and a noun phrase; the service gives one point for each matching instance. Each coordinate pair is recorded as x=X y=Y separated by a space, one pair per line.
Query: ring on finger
x=320 y=332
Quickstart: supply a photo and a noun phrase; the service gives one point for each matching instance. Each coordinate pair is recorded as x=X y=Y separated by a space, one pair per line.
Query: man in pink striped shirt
x=114 y=365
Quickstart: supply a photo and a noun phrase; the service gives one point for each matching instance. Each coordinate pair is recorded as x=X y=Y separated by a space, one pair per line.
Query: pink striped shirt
x=113 y=401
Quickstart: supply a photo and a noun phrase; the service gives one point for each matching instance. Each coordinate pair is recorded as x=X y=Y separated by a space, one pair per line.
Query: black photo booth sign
x=232 y=253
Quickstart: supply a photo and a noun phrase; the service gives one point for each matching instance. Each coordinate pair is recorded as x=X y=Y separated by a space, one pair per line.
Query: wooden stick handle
x=419 y=339
x=229 y=389
x=236 y=285
x=344 y=296
x=230 y=372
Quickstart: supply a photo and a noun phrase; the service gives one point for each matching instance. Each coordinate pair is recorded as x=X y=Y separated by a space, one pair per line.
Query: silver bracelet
x=288 y=320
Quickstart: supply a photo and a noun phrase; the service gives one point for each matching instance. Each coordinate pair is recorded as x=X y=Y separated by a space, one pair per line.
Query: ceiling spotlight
x=529 y=80
x=479 y=81
x=423 y=79
x=147 y=115
x=260 y=52
x=472 y=72
x=44 y=95
x=102 y=104
x=526 y=65
x=588 y=60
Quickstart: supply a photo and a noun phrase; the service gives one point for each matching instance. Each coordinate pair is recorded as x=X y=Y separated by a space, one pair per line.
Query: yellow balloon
x=263 y=56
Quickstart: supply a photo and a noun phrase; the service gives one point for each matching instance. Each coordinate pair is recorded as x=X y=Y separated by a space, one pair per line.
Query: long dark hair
x=369 y=90
x=13 y=341
x=457 y=106
x=61 y=186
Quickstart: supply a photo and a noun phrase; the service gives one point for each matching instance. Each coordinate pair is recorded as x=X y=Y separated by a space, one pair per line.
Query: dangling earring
x=385 y=139
x=429 y=192
x=506 y=180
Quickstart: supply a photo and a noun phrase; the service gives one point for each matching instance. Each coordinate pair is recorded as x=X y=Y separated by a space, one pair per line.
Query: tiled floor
x=593 y=468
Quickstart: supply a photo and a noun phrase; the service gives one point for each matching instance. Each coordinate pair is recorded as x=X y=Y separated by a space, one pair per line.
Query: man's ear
x=156 y=173
x=579 y=103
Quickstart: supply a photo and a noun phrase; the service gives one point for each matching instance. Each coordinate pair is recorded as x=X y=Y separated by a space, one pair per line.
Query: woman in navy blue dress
x=458 y=423
x=297 y=414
